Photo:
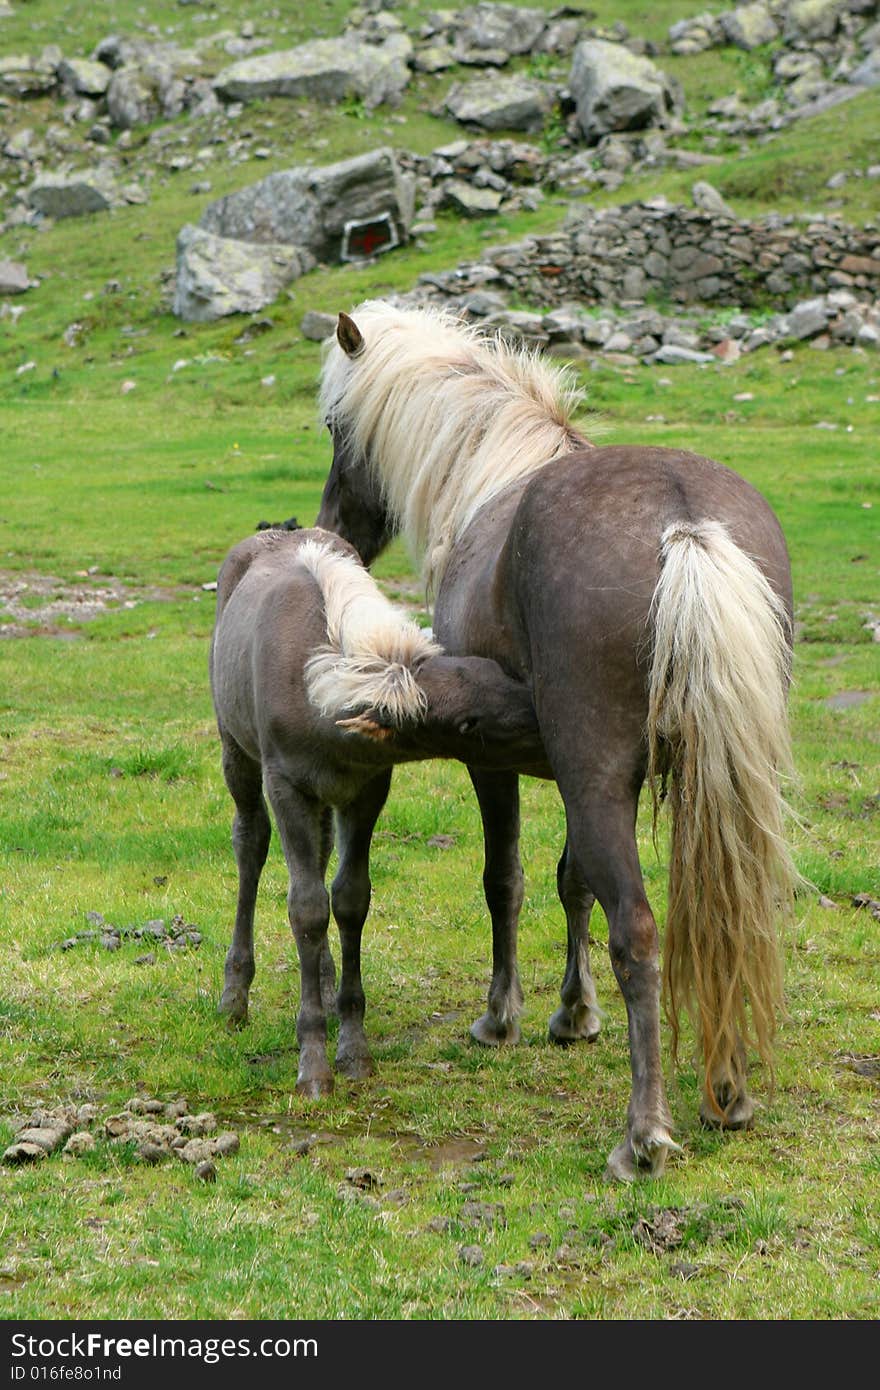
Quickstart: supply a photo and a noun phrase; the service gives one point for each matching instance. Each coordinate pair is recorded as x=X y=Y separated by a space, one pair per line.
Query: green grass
x=111 y=801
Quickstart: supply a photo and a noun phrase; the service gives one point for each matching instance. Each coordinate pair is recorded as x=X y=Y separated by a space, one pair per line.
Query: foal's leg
x=577 y=1018
x=328 y=967
x=498 y=795
x=298 y=817
x=350 y=896
x=601 y=825
x=250 y=839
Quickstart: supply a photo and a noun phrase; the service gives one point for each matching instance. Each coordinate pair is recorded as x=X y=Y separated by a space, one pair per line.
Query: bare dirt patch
x=42 y=605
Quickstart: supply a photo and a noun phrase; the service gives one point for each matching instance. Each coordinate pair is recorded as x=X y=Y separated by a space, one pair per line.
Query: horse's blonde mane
x=446 y=417
x=372 y=647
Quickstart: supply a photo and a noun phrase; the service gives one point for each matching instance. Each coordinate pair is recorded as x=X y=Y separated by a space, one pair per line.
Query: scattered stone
x=471 y=1255
x=708 y=198
x=317 y=327
x=14 y=278
x=71 y=195
x=205 y=1171
x=82 y=1142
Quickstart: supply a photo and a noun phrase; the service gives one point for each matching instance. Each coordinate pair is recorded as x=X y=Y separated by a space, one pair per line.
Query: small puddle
x=442 y=1153
x=847 y=699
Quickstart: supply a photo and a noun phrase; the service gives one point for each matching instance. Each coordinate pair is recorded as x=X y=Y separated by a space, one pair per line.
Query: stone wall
x=658 y=251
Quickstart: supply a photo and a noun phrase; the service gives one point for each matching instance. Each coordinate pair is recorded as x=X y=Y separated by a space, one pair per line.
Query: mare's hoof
x=569 y=1026
x=645 y=1159
x=313 y=1087
x=355 y=1067
x=488 y=1032
x=739 y=1114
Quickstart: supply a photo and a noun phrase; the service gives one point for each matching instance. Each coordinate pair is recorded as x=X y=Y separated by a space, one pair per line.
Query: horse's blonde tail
x=373 y=650
x=718 y=733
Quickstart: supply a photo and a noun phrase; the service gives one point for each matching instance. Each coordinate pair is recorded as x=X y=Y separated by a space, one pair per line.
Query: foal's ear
x=349 y=336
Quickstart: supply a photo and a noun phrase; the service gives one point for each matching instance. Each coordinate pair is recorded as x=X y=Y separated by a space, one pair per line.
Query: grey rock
x=867 y=74
x=85 y=76
x=23 y=76
x=502 y=103
x=139 y=95
x=311 y=208
x=507 y=28
x=807 y=319
x=327 y=70
x=708 y=199
x=217 y=276
x=618 y=90
x=812 y=19
x=14 y=278
x=671 y=355
x=317 y=327
x=471 y=201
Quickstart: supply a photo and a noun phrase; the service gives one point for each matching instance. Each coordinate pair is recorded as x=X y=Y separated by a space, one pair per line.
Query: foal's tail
x=718 y=731
x=373 y=650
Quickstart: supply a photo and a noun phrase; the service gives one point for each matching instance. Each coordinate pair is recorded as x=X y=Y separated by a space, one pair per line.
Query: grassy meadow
x=131 y=461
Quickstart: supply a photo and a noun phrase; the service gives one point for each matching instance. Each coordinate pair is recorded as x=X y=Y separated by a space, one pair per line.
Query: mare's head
x=352 y=504
x=472 y=712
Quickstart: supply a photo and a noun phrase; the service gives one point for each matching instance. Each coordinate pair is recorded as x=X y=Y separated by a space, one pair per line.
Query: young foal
x=302 y=634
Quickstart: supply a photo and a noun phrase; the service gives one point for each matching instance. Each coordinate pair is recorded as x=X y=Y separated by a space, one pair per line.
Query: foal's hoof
x=234 y=1007
x=490 y=1033
x=574 y=1025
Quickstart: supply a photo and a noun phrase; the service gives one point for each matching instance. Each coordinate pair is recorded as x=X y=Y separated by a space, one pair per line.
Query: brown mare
x=643 y=596
x=303 y=636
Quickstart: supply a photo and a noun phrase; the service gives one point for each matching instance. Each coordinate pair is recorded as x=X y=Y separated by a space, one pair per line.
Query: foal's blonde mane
x=372 y=647
x=447 y=417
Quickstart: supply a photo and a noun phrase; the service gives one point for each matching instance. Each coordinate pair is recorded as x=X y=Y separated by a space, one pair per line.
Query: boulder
x=867 y=74
x=71 y=195
x=23 y=76
x=708 y=199
x=470 y=201
x=85 y=77
x=749 y=26
x=327 y=70
x=503 y=28
x=217 y=276
x=312 y=208
x=317 y=327
x=812 y=19
x=502 y=103
x=139 y=95
x=618 y=90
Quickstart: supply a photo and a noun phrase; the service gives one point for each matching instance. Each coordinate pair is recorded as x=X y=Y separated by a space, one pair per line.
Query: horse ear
x=349 y=336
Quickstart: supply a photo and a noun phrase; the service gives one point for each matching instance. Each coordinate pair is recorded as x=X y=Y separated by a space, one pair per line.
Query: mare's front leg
x=577 y=1019
x=498 y=796
x=299 y=819
x=350 y=896
x=250 y=838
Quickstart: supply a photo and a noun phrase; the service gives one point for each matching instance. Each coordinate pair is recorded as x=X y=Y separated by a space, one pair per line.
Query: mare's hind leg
x=350 y=896
x=601 y=824
x=250 y=838
x=498 y=795
x=298 y=817
x=577 y=1018
x=728 y=1105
